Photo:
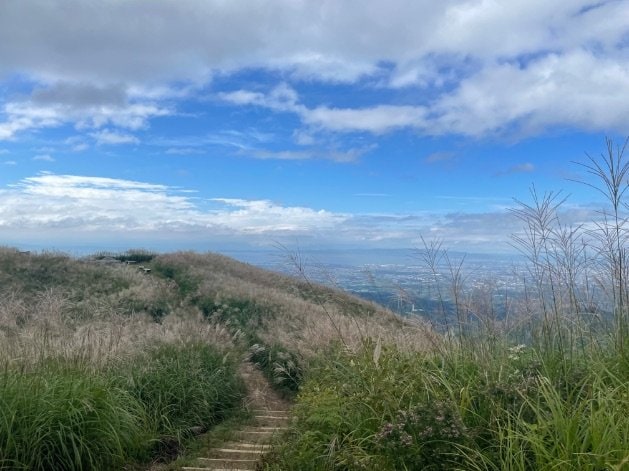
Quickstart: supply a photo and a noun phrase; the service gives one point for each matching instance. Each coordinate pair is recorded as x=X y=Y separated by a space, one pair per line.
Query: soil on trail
x=271 y=416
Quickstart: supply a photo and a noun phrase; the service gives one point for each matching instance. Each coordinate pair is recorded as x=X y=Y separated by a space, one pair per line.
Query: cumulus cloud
x=322 y=39
x=74 y=203
x=86 y=107
x=264 y=216
x=491 y=67
x=57 y=208
x=578 y=89
x=183 y=151
x=80 y=95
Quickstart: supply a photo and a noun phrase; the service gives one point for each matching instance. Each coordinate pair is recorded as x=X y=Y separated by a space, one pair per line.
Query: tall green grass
x=60 y=414
x=382 y=408
x=183 y=386
x=55 y=417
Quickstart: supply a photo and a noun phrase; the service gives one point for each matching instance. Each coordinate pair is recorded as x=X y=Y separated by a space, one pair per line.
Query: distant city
x=398 y=278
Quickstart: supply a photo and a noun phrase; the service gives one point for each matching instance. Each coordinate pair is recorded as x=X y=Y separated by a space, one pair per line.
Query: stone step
x=271 y=429
x=189 y=468
x=226 y=463
x=195 y=468
x=235 y=450
x=271 y=417
x=270 y=412
x=270 y=421
x=247 y=446
x=254 y=436
x=235 y=454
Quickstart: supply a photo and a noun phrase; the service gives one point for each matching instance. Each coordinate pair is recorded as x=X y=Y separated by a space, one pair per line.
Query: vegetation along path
x=271 y=416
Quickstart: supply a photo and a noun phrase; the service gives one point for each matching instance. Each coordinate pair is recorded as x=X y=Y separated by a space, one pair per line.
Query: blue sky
x=223 y=125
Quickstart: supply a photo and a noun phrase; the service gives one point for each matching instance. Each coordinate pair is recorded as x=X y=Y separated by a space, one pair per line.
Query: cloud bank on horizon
x=279 y=84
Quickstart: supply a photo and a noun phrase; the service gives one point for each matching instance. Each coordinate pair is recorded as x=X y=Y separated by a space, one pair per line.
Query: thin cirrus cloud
x=525 y=167
x=44 y=158
x=107 y=137
x=376 y=119
x=335 y=155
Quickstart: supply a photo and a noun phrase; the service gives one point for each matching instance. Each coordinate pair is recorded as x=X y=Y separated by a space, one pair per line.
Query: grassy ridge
x=89 y=380
x=103 y=364
x=283 y=322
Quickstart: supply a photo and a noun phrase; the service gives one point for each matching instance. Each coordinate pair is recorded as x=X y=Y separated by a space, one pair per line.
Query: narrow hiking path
x=271 y=417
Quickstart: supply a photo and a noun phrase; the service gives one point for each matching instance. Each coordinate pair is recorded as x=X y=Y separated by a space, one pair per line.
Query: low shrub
x=283 y=368
x=244 y=315
x=187 y=283
x=137 y=256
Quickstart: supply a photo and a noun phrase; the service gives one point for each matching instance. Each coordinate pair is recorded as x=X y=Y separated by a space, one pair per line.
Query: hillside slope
x=149 y=346
x=260 y=308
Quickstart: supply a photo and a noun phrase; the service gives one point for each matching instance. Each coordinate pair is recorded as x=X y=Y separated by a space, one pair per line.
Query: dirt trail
x=271 y=416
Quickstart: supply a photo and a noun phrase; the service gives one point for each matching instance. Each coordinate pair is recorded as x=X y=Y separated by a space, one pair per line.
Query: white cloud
x=327 y=40
x=80 y=147
x=264 y=216
x=79 y=204
x=577 y=89
x=57 y=208
x=489 y=66
x=376 y=119
x=76 y=143
x=85 y=207
x=281 y=98
x=33 y=114
x=10 y=162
